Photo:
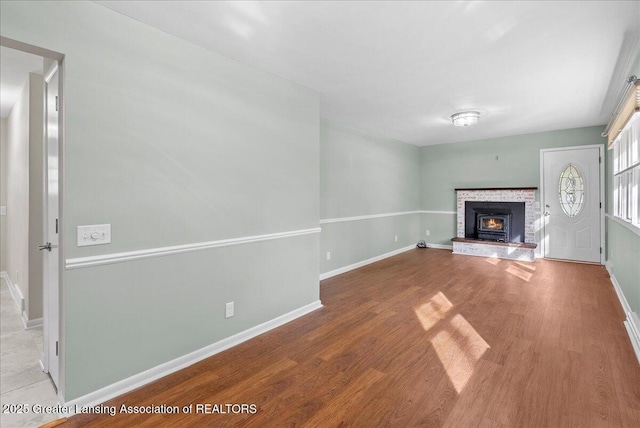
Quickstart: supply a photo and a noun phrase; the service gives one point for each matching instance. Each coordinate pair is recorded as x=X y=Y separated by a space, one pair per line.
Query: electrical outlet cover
x=228 y=310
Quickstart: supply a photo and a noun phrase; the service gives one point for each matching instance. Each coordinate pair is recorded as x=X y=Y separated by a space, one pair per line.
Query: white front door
x=572 y=205
x=52 y=253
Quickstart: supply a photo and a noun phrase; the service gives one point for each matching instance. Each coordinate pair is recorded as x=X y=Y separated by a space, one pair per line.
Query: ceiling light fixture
x=465 y=118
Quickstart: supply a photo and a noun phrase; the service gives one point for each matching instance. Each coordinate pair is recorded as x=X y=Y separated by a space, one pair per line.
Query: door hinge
x=57 y=223
x=56 y=103
x=56 y=348
x=600 y=250
x=599 y=157
x=600 y=208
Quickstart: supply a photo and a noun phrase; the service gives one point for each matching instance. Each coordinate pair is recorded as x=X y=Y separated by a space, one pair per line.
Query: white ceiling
x=399 y=69
x=15 y=67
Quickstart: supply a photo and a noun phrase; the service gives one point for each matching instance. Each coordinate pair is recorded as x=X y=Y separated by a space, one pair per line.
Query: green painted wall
x=441 y=227
x=365 y=175
x=188 y=146
x=173 y=144
x=445 y=167
x=623 y=248
x=362 y=175
x=623 y=245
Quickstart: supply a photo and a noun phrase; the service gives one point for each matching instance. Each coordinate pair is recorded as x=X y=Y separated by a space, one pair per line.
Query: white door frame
x=59 y=58
x=602 y=197
x=52 y=237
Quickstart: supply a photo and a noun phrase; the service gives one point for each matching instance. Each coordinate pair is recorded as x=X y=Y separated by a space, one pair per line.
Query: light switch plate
x=3 y=210
x=96 y=234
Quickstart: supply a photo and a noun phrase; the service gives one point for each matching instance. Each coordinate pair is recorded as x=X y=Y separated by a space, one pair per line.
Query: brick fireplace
x=482 y=232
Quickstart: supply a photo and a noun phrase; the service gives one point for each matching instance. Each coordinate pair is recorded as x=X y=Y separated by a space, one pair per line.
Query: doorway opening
x=30 y=221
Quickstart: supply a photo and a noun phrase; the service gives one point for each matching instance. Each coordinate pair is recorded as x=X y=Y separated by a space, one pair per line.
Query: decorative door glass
x=571 y=191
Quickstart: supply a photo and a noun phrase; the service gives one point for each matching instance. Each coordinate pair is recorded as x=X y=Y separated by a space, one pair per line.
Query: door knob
x=46 y=246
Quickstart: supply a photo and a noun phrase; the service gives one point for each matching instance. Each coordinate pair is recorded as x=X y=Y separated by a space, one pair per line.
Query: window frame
x=626 y=174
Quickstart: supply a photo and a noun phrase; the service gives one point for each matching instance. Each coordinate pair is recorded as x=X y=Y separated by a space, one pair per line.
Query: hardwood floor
x=425 y=338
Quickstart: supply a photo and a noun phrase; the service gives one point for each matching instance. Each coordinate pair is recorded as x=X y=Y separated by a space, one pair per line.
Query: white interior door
x=52 y=254
x=572 y=205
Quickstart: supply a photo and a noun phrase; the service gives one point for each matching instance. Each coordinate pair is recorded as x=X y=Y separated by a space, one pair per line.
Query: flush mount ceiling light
x=465 y=118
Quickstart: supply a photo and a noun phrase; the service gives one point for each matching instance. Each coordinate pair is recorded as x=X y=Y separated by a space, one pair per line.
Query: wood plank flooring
x=426 y=339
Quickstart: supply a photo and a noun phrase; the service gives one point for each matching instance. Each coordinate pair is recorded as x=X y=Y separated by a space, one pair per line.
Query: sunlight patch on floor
x=459 y=347
x=520 y=273
x=493 y=261
x=433 y=311
x=529 y=266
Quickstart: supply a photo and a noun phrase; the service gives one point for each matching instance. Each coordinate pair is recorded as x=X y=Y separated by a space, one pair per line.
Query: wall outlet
x=328 y=255
x=428 y=233
x=228 y=310
x=396 y=238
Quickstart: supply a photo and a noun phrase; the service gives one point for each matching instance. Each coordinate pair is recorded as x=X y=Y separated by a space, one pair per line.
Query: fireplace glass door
x=494 y=227
x=493 y=223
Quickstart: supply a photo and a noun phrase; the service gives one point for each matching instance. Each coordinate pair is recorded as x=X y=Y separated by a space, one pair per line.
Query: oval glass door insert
x=571 y=191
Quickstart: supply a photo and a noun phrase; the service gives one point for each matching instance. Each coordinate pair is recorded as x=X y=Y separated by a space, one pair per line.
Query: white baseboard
x=616 y=286
x=14 y=290
x=18 y=299
x=364 y=262
x=121 y=387
x=440 y=246
x=631 y=323
x=28 y=324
